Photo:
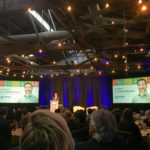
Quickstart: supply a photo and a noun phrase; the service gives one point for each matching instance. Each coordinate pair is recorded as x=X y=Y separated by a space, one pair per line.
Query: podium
x=53 y=105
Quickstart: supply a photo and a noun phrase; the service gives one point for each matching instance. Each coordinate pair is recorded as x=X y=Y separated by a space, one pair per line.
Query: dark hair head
x=28 y=83
x=3 y=111
x=142 y=80
x=127 y=115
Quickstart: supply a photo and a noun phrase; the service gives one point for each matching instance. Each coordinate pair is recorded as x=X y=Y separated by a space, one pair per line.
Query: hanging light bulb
x=113 y=22
x=69 y=8
x=23 y=56
x=85 y=74
x=40 y=51
x=144 y=8
x=14 y=75
x=54 y=62
x=99 y=72
x=91 y=67
x=139 y=1
x=106 y=5
x=31 y=76
x=113 y=71
x=41 y=76
x=115 y=56
x=59 y=44
x=72 y=74
x=139 y=67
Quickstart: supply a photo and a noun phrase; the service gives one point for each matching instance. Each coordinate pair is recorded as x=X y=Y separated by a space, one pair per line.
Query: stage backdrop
x=83 y=91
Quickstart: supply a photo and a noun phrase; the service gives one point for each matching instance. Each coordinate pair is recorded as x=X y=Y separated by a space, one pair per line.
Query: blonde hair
x=46 y=131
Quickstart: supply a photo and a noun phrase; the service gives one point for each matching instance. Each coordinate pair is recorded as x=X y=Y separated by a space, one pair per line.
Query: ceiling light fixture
x=39 y=19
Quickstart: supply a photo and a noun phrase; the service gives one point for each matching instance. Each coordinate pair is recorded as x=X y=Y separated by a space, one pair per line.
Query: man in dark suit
x=5 y=129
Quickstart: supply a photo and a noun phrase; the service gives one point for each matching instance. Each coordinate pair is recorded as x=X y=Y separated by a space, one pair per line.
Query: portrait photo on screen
x=19 y=91
x=131 y=90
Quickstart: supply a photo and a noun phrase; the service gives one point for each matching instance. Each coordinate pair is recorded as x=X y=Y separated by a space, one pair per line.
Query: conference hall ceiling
x=74 y=37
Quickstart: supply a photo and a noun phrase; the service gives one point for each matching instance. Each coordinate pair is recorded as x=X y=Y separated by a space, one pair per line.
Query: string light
x=75 y=62
x=91 y=67
x=113 y=22
x=23 y=72
x=69 y=8
x=40 y=51
x=115 y=56
x=141 y=49
x=54 y=62
x=29 y=9
x=31 y=76
x=140 y=2
x=7 y=59
x=14 y=75
x=139 y=67
x=7 y=73
x=52 y=75
x=126 y=69
x=41 y=76
x=107 y=63
x=8 y=70
x=78 y=71
x=143 y=8
x=85 y=74
x=23 y=56
x=59 y=44
x=95 y=59
x=1 y=71
x=123 y=57
x=31 y=62
x=57 y=74
x=72 y=74
x=23 y=76
x=113 y=71
x=99 y=72
x=106 y=5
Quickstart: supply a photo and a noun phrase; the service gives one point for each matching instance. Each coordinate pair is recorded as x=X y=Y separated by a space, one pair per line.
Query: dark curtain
x=83 y=91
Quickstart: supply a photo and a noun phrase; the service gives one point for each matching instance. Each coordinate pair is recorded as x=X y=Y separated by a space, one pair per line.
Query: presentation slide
x=19 y=91
x=131 y=90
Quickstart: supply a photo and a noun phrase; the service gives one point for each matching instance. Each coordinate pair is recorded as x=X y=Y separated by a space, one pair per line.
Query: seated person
x=46 y=131
x=5 y=130
x=147 y=119
x=103 y=128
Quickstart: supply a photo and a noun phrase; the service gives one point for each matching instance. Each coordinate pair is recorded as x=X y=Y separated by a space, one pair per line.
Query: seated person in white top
x=28 y=97
x=143 y=96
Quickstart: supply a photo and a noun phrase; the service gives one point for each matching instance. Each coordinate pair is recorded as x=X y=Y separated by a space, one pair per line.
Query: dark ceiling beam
x=65 y=67
x=16 y=5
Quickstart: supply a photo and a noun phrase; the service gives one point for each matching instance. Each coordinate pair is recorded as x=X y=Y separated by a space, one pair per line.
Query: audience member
x=103 y=129
x=128 y=125
x=46 y=131
x=5 y=129
x=147 y=119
